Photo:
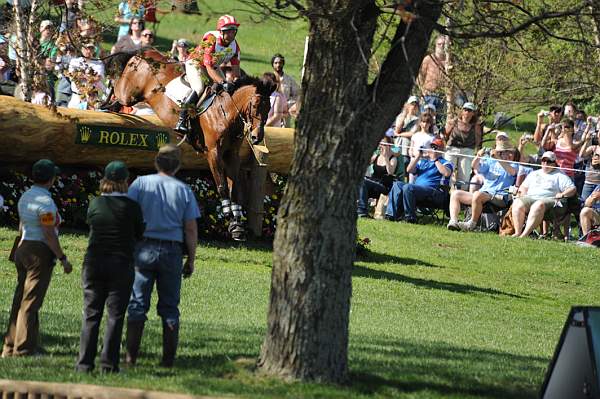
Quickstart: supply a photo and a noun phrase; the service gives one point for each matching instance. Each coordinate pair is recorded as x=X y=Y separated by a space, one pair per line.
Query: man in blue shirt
x=432 y=177
x=169 y=209
x=498 y=175
x=590 y=214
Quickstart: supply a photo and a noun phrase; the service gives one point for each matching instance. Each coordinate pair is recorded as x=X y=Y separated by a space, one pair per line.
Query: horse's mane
x=114 y=64
x=263 y=86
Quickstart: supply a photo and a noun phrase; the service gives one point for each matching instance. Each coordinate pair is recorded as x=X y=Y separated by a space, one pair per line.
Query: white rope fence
x=535 y=165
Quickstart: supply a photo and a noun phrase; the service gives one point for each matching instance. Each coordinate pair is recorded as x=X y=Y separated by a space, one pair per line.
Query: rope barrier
x=536 y=165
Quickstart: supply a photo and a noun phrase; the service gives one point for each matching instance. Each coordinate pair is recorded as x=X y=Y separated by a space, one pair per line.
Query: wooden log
x=30 y=132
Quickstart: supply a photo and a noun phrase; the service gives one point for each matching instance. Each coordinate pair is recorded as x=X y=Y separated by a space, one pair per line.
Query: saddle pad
x=177 y=90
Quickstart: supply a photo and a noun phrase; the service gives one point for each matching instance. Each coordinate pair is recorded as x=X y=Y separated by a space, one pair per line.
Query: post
x=256 y=196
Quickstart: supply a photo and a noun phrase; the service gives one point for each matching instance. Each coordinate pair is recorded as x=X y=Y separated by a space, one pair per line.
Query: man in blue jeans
x=430 y=185
x=170 y=211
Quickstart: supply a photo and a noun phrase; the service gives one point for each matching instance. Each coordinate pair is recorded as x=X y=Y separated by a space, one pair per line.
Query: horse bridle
x=247 y=124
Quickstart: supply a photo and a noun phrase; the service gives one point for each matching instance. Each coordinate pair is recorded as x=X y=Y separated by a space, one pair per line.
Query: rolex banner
x=116 y=136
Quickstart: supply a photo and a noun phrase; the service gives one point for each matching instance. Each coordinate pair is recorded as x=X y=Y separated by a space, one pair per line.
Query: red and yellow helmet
x=227 y=22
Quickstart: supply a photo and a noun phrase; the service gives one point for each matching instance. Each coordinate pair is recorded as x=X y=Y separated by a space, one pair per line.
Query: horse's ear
x=268 y=86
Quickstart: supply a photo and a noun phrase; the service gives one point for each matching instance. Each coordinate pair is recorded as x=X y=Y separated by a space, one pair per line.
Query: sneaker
x=453 y=225
x=467 y=226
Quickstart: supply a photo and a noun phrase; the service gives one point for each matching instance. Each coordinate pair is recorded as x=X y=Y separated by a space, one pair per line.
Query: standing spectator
x=554 y=116
x=132 y=41
x=86 y=75
x=180 y=50
x=564 y=148
x=279 y=110
x=431 y=183
x=463 y=135
x=423 y=134
x=405 y=124
x=590 y=214
x=431 y=77
x=544 y=189
x=127 y=10
x=70 y=15
x=289 y=87
x=34 y=259
x=48 y=48
x=170 y=211
x=116 y=223
x=498 y=175
x=592 y=171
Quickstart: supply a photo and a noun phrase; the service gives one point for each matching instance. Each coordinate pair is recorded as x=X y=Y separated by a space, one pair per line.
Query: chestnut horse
x=224 y=124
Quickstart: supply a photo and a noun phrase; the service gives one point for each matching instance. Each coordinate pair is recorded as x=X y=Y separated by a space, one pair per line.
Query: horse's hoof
x=239 y=238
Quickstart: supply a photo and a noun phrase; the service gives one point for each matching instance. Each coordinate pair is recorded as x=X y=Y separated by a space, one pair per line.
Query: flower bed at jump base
x=75 y=187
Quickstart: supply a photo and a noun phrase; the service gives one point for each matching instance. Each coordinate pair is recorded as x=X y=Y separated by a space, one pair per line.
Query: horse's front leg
x=232 y=169
x=217 y=168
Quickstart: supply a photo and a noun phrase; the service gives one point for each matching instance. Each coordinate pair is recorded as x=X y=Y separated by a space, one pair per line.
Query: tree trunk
x=595 y=10
x=25 y=39
x=342 y=119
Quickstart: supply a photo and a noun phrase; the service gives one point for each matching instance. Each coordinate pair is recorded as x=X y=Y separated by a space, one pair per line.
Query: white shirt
x=82 y=64
x=542 y=185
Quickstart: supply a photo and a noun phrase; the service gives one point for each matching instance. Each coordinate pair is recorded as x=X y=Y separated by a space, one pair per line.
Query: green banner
x=124 y=137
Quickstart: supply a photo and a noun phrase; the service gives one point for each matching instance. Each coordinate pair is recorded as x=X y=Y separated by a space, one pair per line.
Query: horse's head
x=259 y=105
x=140 y=75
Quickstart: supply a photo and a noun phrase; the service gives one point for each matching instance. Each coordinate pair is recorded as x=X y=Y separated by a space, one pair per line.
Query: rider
x=203 y=65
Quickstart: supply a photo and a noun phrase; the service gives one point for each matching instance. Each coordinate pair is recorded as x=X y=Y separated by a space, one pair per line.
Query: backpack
x=592 y=237
x=489 y=221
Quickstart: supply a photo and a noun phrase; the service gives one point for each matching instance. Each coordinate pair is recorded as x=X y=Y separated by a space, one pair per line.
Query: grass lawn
x=435 y=314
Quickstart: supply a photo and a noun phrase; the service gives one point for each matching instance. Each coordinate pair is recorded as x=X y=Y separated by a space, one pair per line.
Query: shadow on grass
x=361 y=271
x=376 y=257
x=444 y=368
x=254 y=244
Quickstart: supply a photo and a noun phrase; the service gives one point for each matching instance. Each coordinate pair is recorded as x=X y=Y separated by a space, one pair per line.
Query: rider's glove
x=228 y=87
x=217 y=87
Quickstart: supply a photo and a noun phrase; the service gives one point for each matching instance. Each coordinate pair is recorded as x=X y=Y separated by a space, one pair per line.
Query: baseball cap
x=169 y=151
x=412 y=99
x=438 y=143
x=183 y=43
x=88 y=45
x=45 y=23
x=44 y=170
x=502 y=134
x=504 y=146
x=549 y=155
x=469 y=106
x=116 y=171
x=430 y=106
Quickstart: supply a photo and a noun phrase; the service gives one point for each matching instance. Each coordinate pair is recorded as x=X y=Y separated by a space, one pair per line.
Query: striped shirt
x=565 y=158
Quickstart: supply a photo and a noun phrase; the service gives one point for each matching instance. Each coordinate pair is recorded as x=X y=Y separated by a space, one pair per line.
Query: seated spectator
x=590 y=214
x=477 y=179
x=554 y=116
x=86 y=75
x=147 y=38
x=180 y=50
x=498 y=175
x=430 y=185
x=463 y=135
x=380 y=176
x=543 y=190
x=132 y=41
x=127 y=10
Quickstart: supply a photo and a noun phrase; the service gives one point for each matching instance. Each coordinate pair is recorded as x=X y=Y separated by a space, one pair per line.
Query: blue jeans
x=404 y=198
x=369 y=188
x=160 y=261
x=587 y=190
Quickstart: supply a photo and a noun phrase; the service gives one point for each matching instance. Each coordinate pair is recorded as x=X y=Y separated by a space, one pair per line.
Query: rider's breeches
x=194 y=76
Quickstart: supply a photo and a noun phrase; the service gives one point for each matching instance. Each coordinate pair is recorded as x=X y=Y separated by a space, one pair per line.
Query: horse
x=143 y=77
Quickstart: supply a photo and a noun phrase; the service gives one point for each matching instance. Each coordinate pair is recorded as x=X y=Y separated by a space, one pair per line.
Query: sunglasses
x=148 y=35
x=547 y=160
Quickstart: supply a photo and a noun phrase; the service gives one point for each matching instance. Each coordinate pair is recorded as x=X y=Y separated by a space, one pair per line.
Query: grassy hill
x=435 y=314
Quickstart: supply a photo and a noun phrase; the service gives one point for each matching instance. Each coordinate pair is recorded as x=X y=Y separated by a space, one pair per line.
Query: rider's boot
x=190 y=101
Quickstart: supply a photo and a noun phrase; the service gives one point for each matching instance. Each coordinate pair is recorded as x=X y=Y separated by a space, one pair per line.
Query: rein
x=247 y=124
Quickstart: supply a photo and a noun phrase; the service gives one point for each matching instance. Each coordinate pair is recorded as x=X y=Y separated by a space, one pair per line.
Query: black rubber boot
x=170 y=342
x=190 y=101
x=135 y=330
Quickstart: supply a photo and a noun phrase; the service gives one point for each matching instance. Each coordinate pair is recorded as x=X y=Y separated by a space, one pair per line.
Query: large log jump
x=88 y=138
